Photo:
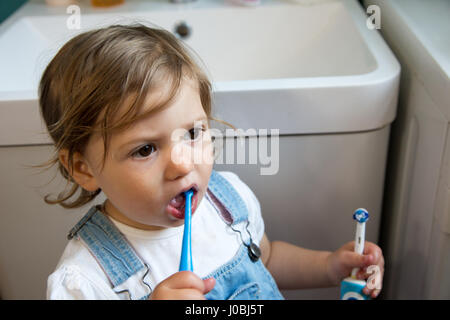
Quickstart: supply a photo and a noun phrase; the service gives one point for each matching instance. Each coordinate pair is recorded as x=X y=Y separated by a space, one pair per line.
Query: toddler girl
x=129 y=112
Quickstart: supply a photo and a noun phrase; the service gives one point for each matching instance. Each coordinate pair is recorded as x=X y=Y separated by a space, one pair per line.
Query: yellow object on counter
x=106 y=3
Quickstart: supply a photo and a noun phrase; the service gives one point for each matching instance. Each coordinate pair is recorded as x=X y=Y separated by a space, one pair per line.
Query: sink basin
x=307 y=68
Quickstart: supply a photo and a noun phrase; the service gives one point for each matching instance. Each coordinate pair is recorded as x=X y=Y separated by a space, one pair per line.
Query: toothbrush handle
x=186 y=250
x=359 y=243
x=360 y=236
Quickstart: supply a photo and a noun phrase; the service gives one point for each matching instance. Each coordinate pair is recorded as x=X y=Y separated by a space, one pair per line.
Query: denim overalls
x=244 y=277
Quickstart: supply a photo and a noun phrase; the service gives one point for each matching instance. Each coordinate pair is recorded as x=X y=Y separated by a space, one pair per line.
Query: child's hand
x=183 y=285
x=341 y=263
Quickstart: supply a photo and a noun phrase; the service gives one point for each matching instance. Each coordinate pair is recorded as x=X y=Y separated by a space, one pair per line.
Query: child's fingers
x=373 y=250
x=193 y=293
x=349 y=246
x=373 y=293
x=353 y=260
x=185 y=280
x=370 y=271
x=369 y=249
x=185 y=294
x=183 y=285
x=370 y=264
x=209 y=284
x=189 y=280
x=373 y=275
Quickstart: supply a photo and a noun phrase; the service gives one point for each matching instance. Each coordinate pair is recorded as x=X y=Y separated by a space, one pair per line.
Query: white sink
x=306 y=68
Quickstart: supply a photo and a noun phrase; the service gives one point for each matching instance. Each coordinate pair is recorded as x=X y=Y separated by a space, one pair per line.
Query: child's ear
x=81 y=172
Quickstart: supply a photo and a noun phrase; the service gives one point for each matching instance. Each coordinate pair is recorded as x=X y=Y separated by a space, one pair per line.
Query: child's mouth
x=176 y=206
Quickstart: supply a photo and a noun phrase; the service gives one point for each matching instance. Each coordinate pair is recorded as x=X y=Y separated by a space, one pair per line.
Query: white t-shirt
x=79 y=276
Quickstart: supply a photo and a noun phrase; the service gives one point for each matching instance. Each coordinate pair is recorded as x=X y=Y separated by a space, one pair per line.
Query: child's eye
x=194 y=133
x=144 y=151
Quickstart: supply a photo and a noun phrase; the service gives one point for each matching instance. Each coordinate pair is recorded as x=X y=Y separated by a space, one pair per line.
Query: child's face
x=144 y=171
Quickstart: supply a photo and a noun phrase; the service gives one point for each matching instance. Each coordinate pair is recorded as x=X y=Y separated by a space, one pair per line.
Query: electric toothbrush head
x=361 y=215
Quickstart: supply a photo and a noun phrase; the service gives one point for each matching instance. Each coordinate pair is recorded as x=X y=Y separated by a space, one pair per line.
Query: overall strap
x=111 y=249
x=228 y=201
x=232 y=209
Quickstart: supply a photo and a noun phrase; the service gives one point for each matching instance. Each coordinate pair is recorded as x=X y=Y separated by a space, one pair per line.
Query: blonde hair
x=98 y=71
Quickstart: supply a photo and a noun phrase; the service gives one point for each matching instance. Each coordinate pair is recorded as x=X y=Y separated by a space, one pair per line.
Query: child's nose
x=180 y=161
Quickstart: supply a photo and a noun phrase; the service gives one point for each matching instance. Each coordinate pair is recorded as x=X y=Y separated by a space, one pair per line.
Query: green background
x=7 y=7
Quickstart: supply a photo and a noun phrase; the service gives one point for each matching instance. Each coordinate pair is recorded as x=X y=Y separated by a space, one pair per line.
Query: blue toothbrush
x=186 y=250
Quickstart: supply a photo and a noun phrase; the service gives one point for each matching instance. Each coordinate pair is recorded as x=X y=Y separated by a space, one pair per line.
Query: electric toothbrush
x=352 y=288
x=186 y=250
